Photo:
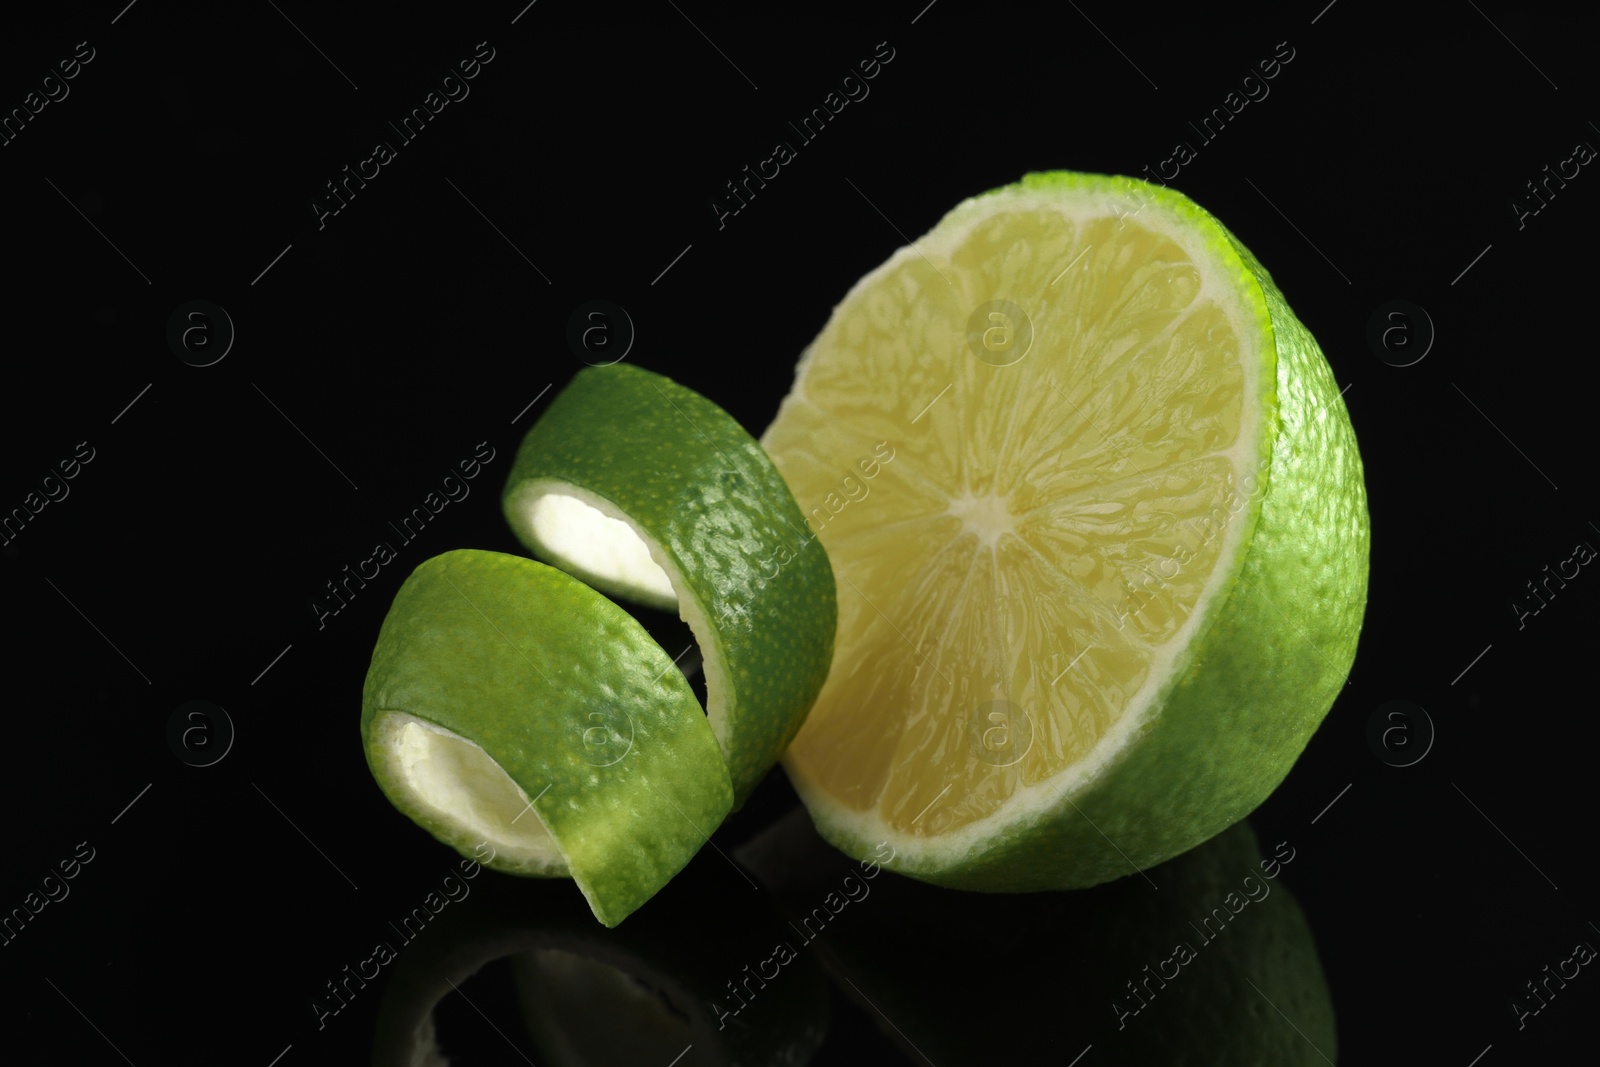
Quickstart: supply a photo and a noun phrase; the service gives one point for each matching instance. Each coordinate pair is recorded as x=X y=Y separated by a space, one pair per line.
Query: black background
x=374 y=352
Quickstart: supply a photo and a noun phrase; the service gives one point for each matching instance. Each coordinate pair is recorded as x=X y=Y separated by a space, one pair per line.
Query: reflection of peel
x=582 y=1010
x=590 y=994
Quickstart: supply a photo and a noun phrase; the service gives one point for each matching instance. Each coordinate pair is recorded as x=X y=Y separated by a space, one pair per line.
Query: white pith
x=657 y=580
x=460 y=787
x=582 y=532
x=988 y=518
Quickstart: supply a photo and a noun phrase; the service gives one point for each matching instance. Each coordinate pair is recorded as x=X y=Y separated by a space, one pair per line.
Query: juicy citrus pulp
x=1109 y=578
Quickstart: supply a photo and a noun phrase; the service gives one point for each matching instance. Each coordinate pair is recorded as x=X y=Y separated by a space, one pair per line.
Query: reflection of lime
x=510 y=706
x=650 y=492
x=1150 y=534
x=1252 y=991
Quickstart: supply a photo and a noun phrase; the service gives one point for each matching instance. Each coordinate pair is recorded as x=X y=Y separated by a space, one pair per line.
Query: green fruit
x=1109 y=578
x=512 y=709
x=650 y=492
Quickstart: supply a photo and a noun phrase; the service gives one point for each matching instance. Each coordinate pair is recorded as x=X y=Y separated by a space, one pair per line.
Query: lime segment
x=648 y=491
x=511 y=708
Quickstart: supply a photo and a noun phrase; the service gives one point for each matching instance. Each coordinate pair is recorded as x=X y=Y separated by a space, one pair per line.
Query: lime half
x=1107 y=572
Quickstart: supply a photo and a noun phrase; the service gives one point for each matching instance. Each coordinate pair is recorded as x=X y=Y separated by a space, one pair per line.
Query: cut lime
x=530 y=723
x=650 y=492
x=1111 y=580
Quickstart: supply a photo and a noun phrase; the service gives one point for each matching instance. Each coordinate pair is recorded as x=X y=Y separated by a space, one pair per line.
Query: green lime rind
x=752 y=580
x=1272 y=652
x=574 y=701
